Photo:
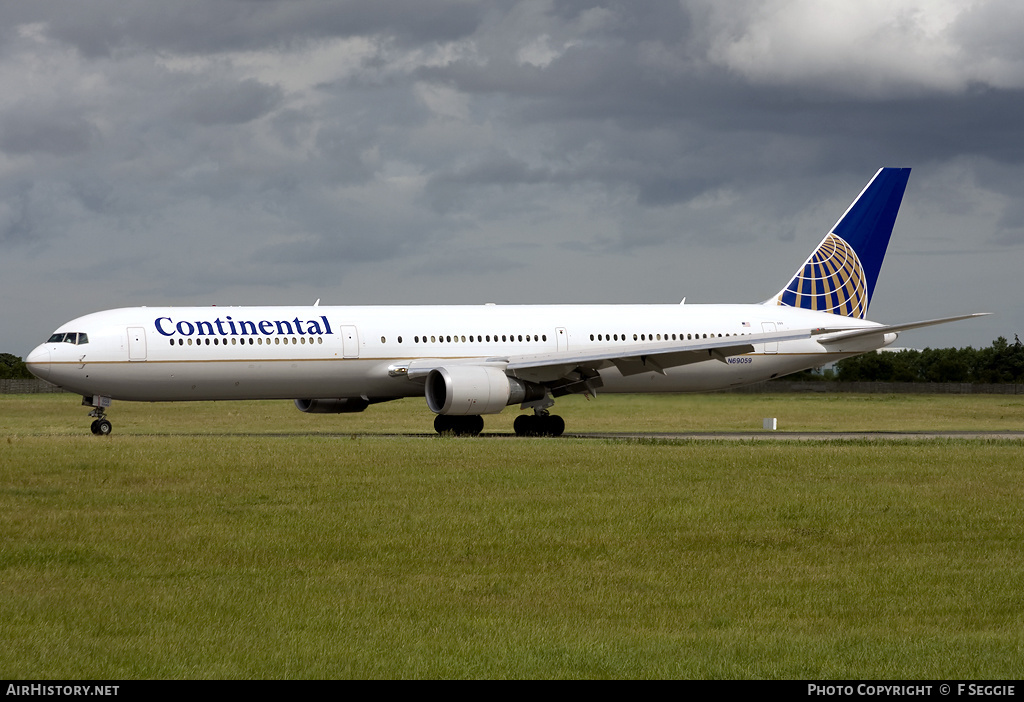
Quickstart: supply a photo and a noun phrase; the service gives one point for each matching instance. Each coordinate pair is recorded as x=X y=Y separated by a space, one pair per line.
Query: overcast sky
x=232 y=152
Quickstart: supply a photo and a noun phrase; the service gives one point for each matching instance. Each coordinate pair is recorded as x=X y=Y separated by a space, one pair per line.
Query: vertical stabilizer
x=840 y=276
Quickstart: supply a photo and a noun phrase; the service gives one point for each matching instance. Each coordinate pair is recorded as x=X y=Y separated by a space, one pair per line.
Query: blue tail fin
x=839 y=277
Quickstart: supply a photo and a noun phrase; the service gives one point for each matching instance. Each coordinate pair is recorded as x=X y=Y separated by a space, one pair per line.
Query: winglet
x=840 y=276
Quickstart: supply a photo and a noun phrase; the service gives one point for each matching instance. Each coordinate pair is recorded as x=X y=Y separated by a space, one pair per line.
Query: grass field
x=53 y=415
x=250 y=540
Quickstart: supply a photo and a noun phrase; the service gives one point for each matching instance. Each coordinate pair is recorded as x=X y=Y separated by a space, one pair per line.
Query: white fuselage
x=234 y=353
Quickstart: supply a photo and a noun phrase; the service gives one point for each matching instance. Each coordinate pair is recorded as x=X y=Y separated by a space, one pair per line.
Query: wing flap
x=636 y=358
x=658 y=362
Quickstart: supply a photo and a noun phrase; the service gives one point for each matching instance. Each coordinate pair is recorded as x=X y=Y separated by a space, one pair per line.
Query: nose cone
x=38 y=362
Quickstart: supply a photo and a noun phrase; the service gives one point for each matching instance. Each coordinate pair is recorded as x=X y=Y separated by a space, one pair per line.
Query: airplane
x=471 y=360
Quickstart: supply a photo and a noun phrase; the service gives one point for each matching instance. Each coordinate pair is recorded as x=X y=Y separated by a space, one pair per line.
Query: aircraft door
x=349 y=341
x=136 y=344
x=771 y=346
x=562 y=339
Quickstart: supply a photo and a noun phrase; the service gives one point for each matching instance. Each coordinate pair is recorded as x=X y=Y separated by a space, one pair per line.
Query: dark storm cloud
x=26 y=131
x=501 y=169
x=230 y=104
x=16 y=223
x=992 y=29
x=647 y=80
x=1011 y=224
x=461 y=150
x=102 y=27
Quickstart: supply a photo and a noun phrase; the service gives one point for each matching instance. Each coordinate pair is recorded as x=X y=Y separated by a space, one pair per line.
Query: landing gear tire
x=468 y=425
x=101 y=426
x=539 y=425
x=556 y=425
x=523 y=426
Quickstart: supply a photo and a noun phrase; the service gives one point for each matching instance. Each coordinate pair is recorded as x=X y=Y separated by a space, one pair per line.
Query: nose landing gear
x=101 y=426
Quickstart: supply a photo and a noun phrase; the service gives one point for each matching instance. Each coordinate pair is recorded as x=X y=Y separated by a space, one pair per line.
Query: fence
x=30 y=386
x=11 y=387
x=823 y=386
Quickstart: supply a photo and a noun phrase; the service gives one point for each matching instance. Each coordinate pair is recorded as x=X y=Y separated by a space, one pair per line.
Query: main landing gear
x=101 y=426
x=459 y=425
x=541 y=423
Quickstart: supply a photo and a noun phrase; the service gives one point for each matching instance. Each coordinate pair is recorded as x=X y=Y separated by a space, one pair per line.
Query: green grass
x=231 y=540
x=52 y=415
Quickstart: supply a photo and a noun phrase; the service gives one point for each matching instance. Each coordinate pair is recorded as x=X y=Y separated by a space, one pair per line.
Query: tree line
x=1002 y=362
x=12 y=366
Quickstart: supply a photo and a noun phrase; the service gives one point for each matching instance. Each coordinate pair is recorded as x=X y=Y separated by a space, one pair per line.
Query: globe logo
x=832 y=280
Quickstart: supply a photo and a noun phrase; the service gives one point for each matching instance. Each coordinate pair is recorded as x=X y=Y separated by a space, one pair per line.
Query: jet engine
x=467 y=390
x=334 y=405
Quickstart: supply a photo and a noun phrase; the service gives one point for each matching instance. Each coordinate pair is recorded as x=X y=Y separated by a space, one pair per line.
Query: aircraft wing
x=630 y=358
x=835 y=335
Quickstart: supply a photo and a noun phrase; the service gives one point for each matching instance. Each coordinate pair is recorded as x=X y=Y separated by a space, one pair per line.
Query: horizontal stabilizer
x=833 y=335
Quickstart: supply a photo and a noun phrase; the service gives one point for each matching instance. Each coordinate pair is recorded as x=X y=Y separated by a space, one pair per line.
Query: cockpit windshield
x=77 y=338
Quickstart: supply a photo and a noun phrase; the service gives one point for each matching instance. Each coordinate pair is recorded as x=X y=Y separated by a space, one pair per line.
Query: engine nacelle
x=465 y=390
x=334 y=405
